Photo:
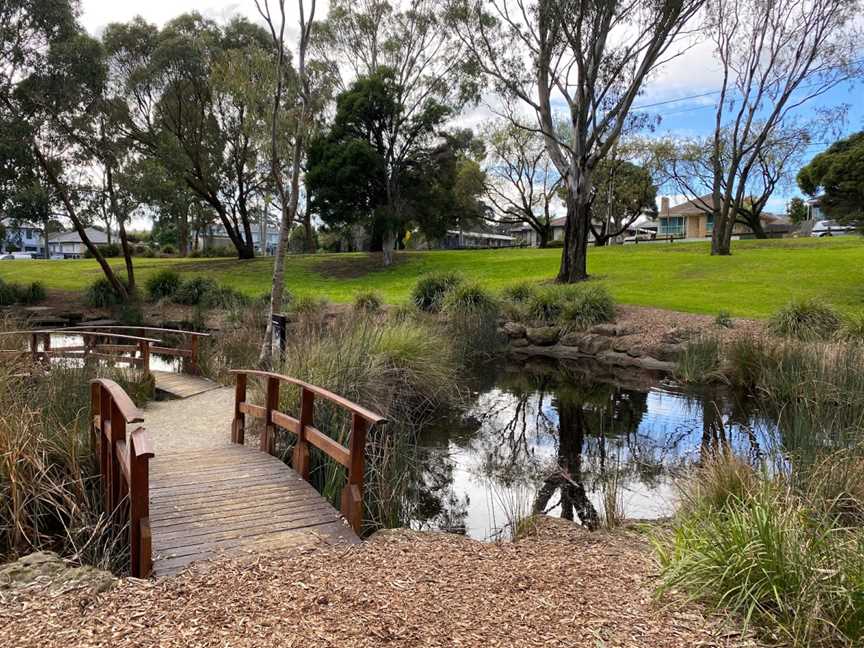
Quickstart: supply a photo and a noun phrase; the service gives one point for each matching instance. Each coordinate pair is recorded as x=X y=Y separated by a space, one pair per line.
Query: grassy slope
x=758 y=278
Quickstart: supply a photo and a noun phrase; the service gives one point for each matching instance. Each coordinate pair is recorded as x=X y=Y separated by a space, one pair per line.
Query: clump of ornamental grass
x=700 y=361
x=163 y=284
x=13 y=293
x=587 y=306
x=724 y=320
x=101 y=294
x=519 y=292
x=430 y=290
x=809 y=320
x=750 y=543
x=368 y=301
x=852 y=329
x=472 y=319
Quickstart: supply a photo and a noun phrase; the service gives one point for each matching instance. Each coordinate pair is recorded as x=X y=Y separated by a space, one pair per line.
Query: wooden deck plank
x=180 y=385
x=235 y=500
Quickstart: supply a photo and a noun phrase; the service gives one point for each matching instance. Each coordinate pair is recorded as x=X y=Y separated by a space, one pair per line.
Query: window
x=671 y=226
x=709 y=223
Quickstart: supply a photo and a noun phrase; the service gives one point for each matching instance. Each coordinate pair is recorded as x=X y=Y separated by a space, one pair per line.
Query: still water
x=565 y=441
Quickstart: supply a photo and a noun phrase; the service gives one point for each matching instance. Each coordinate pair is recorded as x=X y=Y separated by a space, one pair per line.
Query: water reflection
x=551 y=439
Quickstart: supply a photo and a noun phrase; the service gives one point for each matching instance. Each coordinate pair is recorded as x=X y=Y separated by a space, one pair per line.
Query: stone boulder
x=514 y=330
x=609 y=330
x=45 y=569
x=543 y=335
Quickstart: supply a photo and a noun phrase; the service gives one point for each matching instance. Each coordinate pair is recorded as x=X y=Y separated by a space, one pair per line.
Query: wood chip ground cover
x=561 y=587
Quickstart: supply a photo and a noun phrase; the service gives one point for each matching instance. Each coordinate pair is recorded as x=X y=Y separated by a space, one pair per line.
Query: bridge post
x=268 y=438
x=140 y=540
x=106 y=449
x=300 y=459
x=238 y=425
x=352 y=494
x=118 y=434
x=144 y=348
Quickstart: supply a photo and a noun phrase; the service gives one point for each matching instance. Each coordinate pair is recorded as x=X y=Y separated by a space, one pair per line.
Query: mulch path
x=652 y=325
x=562 y=587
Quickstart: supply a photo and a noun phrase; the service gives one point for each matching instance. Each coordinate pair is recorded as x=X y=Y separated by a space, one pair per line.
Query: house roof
x=695 y=206
x=97 y=236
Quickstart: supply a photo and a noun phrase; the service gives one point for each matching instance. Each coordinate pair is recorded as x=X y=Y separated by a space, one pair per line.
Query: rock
x=623 y=329
x=668 y=352
x=543 y=335
x=46 y=569
x=593 y=344
x=572 y=339
x=514 y=330
x=610 y=330
x=618 y=359
x=621 y=345
x=653 y=364
x=637 y=351
x=519 y=342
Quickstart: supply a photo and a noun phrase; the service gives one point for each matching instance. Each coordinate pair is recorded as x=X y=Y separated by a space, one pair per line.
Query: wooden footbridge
x=193 y=505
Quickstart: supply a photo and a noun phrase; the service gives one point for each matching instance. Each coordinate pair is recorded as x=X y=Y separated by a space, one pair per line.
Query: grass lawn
x=757 y=279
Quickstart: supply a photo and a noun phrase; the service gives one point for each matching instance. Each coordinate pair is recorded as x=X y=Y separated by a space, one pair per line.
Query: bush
x=163 y=285
x=852 y=329
x=587 y=306
x=8 y=294
x=219 y=251
x=168 y=249
x=469 y=300
x=555 y=244
x=223 y=297
x=429 y=291
x=109 y=250
x=368 y=301
x=546 y=304
x=808 y=320
x=750 y=543
x=100 y=294
x=520 y=292
x=12 y=293
x=195 y=291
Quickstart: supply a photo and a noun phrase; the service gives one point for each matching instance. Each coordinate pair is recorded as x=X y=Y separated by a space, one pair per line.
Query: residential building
x=22 y=236
x=691 y=220
x=527 y=235
x=216 y=236
x=69 y=244
x=458 y=239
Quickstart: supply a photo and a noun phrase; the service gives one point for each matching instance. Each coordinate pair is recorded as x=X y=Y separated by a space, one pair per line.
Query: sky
x=682 y=113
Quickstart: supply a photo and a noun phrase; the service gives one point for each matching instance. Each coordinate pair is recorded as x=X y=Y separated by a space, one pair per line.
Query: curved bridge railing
x=123 y=450
x=303 y=428
x=107 y=345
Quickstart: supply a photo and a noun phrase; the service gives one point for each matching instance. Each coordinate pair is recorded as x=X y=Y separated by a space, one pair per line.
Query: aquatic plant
x=429 y=291
x=809 y=319
x=700 y=361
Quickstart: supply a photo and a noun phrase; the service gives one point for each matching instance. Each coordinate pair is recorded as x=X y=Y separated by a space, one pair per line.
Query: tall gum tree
x=590 y=56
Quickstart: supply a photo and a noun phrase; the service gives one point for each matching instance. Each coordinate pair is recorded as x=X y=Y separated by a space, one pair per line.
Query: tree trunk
x=121 y=227
x=574 y=257
x=307 y=228
x=543 y=237
x=721 y=237
x=388 y=243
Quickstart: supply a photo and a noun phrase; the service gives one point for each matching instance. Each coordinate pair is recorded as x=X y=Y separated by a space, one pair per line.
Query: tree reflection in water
x=540 y=439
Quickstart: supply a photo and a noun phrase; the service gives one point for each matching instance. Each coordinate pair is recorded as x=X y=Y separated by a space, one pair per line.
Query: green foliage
x=218 y=251
x=555 y=243
x=368 y=301
x=546 y=304
x=430 y=290
x=163 y=284
x=586 y=306
x=700 y=361
x=101 y=294
x=168 y=249
x=798 y=211
x=194 y=291
x=808 y=319
x=12 y=293
x=724 y=320
x=753 y=545
x=520 y=292
x=109 y=251
x=852 y=329
x=838 y=175
x=469 y=299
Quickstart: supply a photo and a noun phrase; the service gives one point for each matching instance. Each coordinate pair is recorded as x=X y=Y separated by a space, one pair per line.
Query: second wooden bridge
x=191 y=506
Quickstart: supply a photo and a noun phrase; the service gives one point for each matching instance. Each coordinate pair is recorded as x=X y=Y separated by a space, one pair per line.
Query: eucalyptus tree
x=414 y=47
x=523 y=183
x=775 y=56
x=590 y=56
x=52 y=89
x=623 y=191
x=185 y=108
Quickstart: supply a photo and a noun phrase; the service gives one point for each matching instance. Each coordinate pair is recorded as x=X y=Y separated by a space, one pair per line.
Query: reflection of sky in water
x=507 y=442
x=157 y=362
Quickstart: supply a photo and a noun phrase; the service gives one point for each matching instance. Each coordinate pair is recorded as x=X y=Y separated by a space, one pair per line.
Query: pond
x=571 y=442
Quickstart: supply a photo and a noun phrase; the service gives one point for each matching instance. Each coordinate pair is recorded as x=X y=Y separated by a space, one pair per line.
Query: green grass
x=759 y=278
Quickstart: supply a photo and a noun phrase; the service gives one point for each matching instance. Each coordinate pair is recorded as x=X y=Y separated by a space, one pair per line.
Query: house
x=22 y=236
x=69 y=244
x=527 y=236
x=216 y=236
x=458 y=239
x=691 y=220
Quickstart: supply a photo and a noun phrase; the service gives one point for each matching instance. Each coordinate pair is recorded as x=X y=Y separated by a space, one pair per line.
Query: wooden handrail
x=135 y=328
x=352 y=457
x=118 y=336
x=124 y=465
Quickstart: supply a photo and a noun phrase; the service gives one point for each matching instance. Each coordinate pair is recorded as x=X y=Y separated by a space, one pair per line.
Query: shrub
x=163 y=285
x=223 y=297
x=100 y=294
x=852 y=329
x=469 y=299
x=8 y=294
x=723 y=320
x=194 y=291
x=368 y=301
x=520 y=292
x=546 y=304
x=809 y=320
x=148 y=253
x=587 y=306
x=219 y=251
x=555 y=244
x=32 y=293
x=109 y=250
x=429 y=291
x=168 y=249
